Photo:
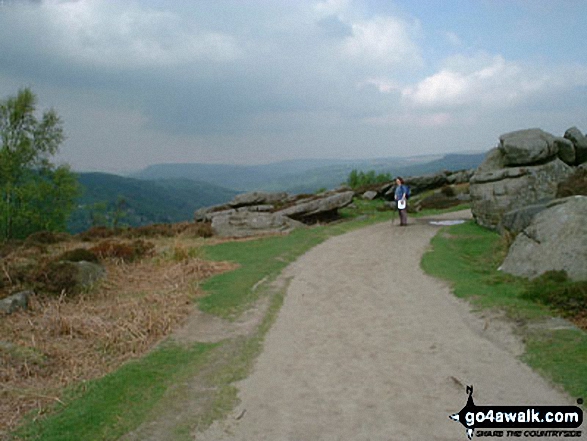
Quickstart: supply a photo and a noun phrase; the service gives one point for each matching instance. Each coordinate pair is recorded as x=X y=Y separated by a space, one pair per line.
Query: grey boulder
x=306 y=209
x=525 y=147
x=556 y=239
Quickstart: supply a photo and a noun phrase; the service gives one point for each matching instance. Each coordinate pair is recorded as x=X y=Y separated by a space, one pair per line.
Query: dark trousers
x=403 y=217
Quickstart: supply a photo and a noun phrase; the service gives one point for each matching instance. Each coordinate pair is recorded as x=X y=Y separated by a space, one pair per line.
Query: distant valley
x=305 y=176
x=164 y=193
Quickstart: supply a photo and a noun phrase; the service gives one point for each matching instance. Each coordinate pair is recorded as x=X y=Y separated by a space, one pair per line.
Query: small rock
x=15 y=302
x=369 y=195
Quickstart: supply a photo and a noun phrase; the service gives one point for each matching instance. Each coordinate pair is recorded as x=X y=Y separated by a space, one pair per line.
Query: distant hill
x=306 y=176
x=141 y=202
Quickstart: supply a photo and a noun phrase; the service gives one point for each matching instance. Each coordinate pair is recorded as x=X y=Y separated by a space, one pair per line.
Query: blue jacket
x=401 y=191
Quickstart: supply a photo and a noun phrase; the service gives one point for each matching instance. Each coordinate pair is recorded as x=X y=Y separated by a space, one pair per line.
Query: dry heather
x=61 y=341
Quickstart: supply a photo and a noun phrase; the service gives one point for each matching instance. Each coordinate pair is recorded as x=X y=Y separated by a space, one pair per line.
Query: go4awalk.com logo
x=518 y=421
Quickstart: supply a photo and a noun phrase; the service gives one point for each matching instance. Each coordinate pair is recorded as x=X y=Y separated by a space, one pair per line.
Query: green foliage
x=358 y=179
x=115 y=201
x=35 y=195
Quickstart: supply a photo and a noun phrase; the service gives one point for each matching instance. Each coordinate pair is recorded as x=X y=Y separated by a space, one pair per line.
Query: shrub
x=357 y=179
x=576 y=184
x=96 y=233
x=438 y=201
x=127 y=251
x=45 y=238
x=78 y=255
x=202 y=229
x=554 y=289
x=53 y=277
x=448 y=191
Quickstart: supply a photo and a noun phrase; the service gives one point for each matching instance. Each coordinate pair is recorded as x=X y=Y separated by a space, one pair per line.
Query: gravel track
x=368 y=347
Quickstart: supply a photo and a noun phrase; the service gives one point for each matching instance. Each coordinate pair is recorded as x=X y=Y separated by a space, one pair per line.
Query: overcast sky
x=256 y=81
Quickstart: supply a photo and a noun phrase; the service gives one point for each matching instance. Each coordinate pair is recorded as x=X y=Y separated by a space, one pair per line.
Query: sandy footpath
x=368 y=347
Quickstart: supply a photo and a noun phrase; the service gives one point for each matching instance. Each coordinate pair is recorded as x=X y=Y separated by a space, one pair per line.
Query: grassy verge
x=468 y=257
x=107 y=408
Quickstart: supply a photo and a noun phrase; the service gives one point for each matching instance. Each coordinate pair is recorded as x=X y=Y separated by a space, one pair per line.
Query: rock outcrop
x=250 y=223
x=265 y=213
x=524 y=169
x=555 y=239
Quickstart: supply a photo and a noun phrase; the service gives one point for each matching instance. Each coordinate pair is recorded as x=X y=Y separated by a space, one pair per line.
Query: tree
x=35 y=194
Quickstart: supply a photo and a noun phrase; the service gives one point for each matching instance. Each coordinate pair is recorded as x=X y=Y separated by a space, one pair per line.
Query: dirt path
x=368 y=347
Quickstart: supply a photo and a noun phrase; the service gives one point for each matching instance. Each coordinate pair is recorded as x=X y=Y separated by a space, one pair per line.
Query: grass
x=468 y=256
x=107 y=408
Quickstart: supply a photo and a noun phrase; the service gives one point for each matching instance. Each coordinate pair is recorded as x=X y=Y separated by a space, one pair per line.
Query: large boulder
x=556 y=239
x=497 y=187
x=525 y=147
x=579 y=142
x=306 y=210
x=250 y=223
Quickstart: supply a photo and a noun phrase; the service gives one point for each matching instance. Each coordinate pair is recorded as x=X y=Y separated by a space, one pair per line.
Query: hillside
x=305 y=176
x=141 y=202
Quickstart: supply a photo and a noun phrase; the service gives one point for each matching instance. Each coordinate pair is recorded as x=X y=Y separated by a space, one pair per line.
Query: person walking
x=401 y=198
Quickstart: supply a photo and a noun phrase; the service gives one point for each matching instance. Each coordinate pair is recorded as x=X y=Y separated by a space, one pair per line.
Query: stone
x=459 y=177
x=257 y=198
x=308 y=209
x=566 y=150
x=369 y=195
x=265 y=208
x=580 y=142
x=249 y=223
x=524 y=147
x=14 y=302
x=88 y=273
x=206 y=214
x=517 y=220
x=418 y=184
x=556 y=239
x=496 y=192
x=386 y=187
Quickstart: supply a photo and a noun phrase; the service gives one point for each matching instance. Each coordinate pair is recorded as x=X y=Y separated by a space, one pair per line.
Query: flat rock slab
x=368 y=347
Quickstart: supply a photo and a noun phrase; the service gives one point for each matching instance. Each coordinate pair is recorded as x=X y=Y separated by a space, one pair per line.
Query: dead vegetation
x=576 y=184
x=65 y=339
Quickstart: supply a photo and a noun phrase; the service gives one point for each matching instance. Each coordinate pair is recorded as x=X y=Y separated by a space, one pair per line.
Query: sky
x=258 y=81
